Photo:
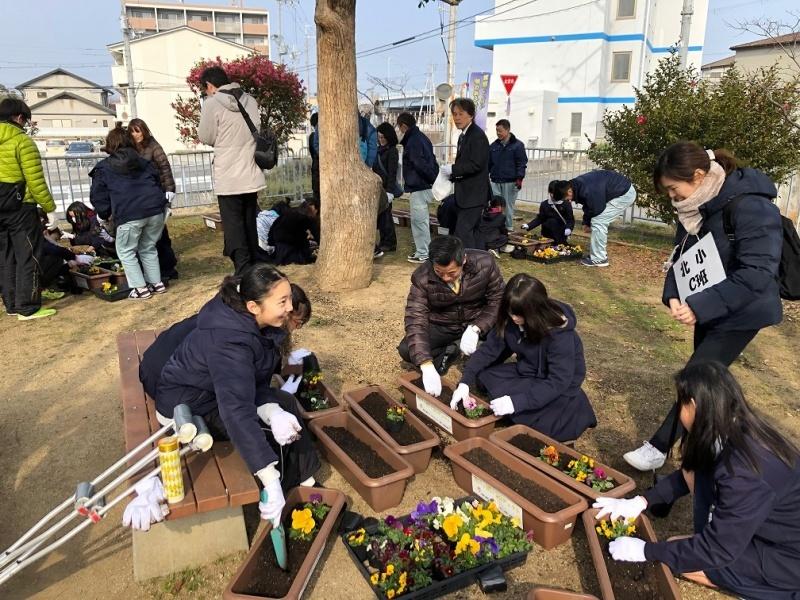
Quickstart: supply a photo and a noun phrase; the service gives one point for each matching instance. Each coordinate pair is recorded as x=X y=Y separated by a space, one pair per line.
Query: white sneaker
x=645 y=458
x=494 y=253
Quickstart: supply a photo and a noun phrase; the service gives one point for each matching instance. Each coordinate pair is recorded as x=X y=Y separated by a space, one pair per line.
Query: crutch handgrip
x=83 y=493
x=184 y=426
x=202 y=440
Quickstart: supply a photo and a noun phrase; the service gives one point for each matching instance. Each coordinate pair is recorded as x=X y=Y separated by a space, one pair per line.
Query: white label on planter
x=396 y=220
x=504 y=503
x=211 y=224
x=437 y=415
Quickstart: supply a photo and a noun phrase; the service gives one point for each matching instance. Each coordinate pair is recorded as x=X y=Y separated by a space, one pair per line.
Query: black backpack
x=789 y=269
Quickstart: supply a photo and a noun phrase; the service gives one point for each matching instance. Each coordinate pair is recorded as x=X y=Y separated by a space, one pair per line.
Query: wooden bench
x=217 y=483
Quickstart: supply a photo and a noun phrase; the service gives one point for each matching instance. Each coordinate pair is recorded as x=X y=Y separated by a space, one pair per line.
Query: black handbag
x=266 y=155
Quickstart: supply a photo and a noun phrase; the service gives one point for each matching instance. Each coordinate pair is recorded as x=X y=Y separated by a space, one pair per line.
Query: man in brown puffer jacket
x=453 y=300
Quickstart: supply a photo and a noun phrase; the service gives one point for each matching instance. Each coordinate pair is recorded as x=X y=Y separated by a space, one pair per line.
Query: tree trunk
x=348 y=188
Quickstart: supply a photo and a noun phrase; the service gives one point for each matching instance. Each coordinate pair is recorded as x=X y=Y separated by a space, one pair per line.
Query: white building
x=575 y=60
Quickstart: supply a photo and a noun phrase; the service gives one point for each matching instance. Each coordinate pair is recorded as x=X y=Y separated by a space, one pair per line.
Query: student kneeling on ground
x=555 y=217
x=222 y=370
x=453 y=300
x=744 y=477
x=542 y=389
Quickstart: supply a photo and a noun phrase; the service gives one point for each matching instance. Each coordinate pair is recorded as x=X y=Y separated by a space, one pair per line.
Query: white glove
x=146 y=507
x=525 y=226
x=567 y=232
x=284 y=425
x=271 y=509
x=170 y=196
x=447 y=170
x=469 y=339
x=292 y=383
x=390 y=197
x=628 y=549
x=461 y=394
x=67 y=235
x=167 y=213
x=620 y=507
x=52 y=221
x=431 y=380
x=100 y=221
x=502 y=406
x=84 y=259
x=296 y=356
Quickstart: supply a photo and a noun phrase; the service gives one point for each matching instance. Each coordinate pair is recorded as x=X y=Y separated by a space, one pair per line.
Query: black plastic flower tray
x=437 y=589
x=120 y=294
x=558 y=259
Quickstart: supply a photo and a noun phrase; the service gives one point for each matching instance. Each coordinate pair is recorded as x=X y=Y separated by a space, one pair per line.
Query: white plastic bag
x=442 y=187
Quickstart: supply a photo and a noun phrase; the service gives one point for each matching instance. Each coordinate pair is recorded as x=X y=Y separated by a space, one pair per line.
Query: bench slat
x=134 y=408
x=209 y=490
x=240 y=483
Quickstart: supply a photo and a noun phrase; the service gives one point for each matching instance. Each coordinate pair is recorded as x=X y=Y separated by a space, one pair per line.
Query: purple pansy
x=425 y=509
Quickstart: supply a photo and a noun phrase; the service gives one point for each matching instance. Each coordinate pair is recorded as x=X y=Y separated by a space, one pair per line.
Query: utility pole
x=126 y=40
x=451 y=67
x=686 y=27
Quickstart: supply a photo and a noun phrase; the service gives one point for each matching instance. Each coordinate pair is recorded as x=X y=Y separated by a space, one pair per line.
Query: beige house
x=67 y=106
x=161 y=63
x=714 y=71
x=760 y=54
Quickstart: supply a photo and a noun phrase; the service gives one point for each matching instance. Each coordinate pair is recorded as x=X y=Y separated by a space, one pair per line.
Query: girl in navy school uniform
x=542 y=389
x=745 y=480
x=555 y=217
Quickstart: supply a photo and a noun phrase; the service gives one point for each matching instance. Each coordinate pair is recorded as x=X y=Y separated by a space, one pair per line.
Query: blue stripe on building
x=597 y=100
x=576 y=37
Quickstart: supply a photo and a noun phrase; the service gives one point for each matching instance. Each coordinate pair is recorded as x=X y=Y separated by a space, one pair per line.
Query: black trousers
x=467 y=222
x=167 y=261
x=21 y=243
x=239 y=212
x=296 y=461
x=388 y=236
x=439 y=338
x=709 y=344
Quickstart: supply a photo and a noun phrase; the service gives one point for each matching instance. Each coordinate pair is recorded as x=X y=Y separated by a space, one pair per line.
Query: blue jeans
x=616 y=207
x=421 y=221
x=509 y=193
x=140 y=237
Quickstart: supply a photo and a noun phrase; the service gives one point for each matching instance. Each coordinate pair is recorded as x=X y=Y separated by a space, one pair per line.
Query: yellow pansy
x=374 y=579
x=467 y=543
x=390 y=593
x=584 y=459
x=492 y=507
x=482 y=533
x=515 y=521
x=302 y=520
x=451 y=525
x=580 y=477
x=390 y=569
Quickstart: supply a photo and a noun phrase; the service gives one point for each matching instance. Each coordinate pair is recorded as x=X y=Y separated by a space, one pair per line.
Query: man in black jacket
x=470 y=172
x=507 y=164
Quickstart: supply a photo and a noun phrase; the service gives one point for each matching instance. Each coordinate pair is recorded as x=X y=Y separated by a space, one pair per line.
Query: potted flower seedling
x=472 y=409
x=108 y=288
x=549 y=454
x=305 y=519
x=311 y=392
x=395 y=417
x=583 y=470
x=357 y=540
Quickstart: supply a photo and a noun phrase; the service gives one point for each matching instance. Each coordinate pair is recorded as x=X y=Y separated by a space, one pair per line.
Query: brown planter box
x=119 y=279
x=418 y=455
x=213 y=221
x=545 y=593
x=335 y=499
x=667 y=587
x=502 y=438
x=314 y=414
x=90 y=282
x=549 y=529
x=381 y=493
x=441 y=415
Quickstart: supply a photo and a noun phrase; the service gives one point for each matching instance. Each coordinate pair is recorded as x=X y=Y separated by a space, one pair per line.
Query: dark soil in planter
x=447 y=395
x=376 y=406
x=269 y=579
x=527 y=444
x=365 y=457
x=631 y=581
x=536 y=494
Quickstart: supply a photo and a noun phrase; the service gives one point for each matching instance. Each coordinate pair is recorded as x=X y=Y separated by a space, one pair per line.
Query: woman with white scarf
x=708 y=190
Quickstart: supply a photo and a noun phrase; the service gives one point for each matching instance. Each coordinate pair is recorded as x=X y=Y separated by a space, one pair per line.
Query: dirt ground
x=60 y=415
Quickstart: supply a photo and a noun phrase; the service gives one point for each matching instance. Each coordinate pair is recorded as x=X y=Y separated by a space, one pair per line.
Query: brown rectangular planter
x=213 y=221
x=503 y=438
x=441 y=415
x=667 y=587
x=381 y=493
x=90 y=282
x=418 y=455
x=546 y=593
x=336 y=406
x=549 y=529
x=244 y=575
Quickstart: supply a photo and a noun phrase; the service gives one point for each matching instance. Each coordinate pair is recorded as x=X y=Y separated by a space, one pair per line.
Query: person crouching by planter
x=293 y=231
x=744 y=477
x=542 y=388
x=453 y=300
x=605 y=196
x=222 y=370
x=87 y=231
x=492 y=230
x=555 y=217
x=128 y=187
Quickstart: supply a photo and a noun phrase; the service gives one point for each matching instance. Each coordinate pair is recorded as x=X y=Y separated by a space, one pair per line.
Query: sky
x=73 y=34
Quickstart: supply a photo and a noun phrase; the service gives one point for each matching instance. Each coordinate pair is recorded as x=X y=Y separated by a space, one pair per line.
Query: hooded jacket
x=595 y=189
x=420 y=168
x=20 y=161
x=225 y=363
x=545 y=382
x=127 y=186
x=153 y=152
x=555 y=218
x=749 y=297
x=507 y=162
x=223 y=127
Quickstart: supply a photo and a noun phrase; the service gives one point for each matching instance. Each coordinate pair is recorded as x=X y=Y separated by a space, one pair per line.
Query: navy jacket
x=471 y=169
x=749 y=297
x=160 y=351
x=492 y=230
x=754 y=533
x=127 y=186
x=594 y=190
x=545 y=381
x=507 y=162
x=420 y=168
x=553 y=225
x=225 y=363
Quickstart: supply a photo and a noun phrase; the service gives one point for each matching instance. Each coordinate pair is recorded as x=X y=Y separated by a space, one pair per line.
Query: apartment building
x=245 y=26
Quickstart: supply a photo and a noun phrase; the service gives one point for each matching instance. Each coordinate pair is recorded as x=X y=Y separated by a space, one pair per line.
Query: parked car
x=55 y=147
x=80 y=154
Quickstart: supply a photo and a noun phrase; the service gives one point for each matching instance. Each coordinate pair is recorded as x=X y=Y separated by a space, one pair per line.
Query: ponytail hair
x=682 y=159
x=253 y=285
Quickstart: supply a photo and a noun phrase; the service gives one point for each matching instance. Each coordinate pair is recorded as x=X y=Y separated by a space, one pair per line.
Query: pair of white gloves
x=295 y=358
x=628 y=549
x=431 y=380
x=148 y=507
x=500 y=406
x=81 y=260
x=567 y=232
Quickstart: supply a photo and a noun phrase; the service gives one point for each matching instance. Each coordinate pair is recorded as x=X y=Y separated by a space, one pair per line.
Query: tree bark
x=349 y=189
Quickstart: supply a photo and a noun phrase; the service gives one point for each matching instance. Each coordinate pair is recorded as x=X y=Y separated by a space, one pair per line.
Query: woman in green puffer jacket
x=22 y=188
